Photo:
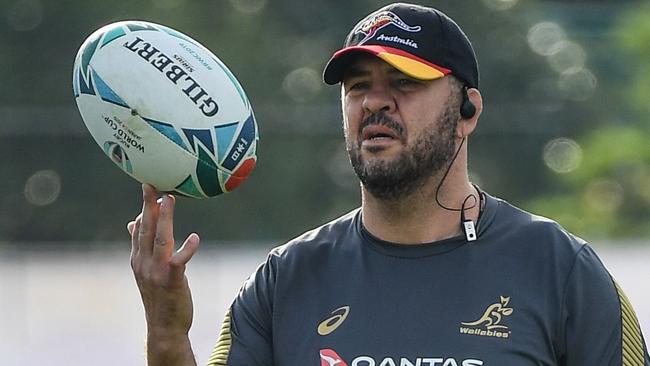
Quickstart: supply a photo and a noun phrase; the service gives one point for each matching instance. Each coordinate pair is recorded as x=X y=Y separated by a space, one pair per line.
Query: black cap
x=421 y=42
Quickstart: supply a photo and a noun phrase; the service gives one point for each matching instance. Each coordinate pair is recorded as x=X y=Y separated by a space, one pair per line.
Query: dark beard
x=427 y=156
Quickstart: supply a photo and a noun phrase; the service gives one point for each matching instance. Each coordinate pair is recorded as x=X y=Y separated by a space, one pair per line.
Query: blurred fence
x=82 y=307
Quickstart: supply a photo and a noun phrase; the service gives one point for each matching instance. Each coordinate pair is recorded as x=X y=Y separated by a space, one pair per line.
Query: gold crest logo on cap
x=378 y=21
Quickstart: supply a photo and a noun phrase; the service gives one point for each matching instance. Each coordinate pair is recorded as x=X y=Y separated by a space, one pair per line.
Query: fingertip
x=193 y=239
x=132 y=226
x=148 y=191
x=168 y=199
x=186 y=251
x=190 y=245
x=167 y=204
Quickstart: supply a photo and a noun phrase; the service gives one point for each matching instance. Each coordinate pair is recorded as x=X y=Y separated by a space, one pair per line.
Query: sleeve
x=599 y=325
x=246 y=336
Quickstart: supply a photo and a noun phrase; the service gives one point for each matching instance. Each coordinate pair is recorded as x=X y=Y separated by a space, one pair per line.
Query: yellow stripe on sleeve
x=632 y=344
x=221 y=350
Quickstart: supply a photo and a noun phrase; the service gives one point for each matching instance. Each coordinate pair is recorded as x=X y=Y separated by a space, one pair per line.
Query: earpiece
x=467 y=108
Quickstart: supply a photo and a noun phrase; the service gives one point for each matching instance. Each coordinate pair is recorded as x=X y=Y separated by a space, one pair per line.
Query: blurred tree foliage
x=609 y=193
x=277 y=49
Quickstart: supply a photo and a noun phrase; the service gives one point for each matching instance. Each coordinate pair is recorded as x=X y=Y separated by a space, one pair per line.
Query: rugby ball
x=165 y=109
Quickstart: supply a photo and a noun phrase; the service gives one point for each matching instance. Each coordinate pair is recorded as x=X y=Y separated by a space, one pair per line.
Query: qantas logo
x=329 y=357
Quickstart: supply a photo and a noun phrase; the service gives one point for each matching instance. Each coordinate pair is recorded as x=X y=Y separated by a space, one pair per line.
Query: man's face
x=399 y=131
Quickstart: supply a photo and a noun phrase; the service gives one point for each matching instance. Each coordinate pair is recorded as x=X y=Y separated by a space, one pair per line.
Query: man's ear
x=467 y=125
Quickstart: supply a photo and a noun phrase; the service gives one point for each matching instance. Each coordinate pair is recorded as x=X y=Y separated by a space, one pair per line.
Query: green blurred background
x=564 y=133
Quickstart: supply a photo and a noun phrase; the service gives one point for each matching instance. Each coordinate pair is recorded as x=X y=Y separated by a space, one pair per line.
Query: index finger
x=150 y=210
x=163 y=244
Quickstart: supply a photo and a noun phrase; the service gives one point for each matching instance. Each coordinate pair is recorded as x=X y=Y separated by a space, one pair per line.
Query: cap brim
x=403 y=61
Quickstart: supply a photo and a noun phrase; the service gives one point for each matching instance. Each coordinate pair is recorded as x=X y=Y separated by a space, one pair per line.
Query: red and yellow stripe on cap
x=405 y=62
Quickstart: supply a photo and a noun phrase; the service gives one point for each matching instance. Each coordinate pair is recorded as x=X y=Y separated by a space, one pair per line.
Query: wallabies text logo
x=490 y=323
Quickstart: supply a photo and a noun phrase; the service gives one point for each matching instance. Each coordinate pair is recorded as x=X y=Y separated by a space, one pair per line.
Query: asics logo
x=337 y=318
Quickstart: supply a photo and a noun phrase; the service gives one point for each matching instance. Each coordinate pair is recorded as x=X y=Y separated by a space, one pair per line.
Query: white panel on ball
x=165 y=109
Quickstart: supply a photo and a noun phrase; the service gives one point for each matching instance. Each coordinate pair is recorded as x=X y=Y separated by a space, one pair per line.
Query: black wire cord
x=471 y=195
x=467 y=226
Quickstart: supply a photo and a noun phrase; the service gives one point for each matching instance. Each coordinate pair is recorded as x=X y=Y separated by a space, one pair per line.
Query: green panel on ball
x=112 y=35
x=135 y=26
x=88 y=53
x=206 y=172
x=188 y=188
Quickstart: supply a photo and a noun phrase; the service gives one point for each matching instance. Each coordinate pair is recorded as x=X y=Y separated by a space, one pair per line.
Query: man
x=430 y=271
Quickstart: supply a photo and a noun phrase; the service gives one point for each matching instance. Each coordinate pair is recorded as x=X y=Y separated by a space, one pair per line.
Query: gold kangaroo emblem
x=492 y=316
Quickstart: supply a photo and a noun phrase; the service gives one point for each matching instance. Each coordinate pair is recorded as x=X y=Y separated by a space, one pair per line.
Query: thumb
x=186 y=251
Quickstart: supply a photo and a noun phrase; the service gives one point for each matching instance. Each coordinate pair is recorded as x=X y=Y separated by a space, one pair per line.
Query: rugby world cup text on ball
x=174 y=73
x=128 y=138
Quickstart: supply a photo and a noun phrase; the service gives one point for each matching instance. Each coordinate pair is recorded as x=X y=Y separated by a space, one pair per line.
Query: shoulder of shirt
x=322 y=237
x=540 y=230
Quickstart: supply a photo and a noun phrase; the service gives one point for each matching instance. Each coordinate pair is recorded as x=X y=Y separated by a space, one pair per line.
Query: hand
x=160 y=273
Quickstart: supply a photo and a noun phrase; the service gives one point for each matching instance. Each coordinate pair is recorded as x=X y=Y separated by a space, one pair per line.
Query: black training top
x=525 y=293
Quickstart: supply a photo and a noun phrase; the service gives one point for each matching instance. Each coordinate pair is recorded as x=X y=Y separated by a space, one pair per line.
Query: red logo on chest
x=329 y=357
